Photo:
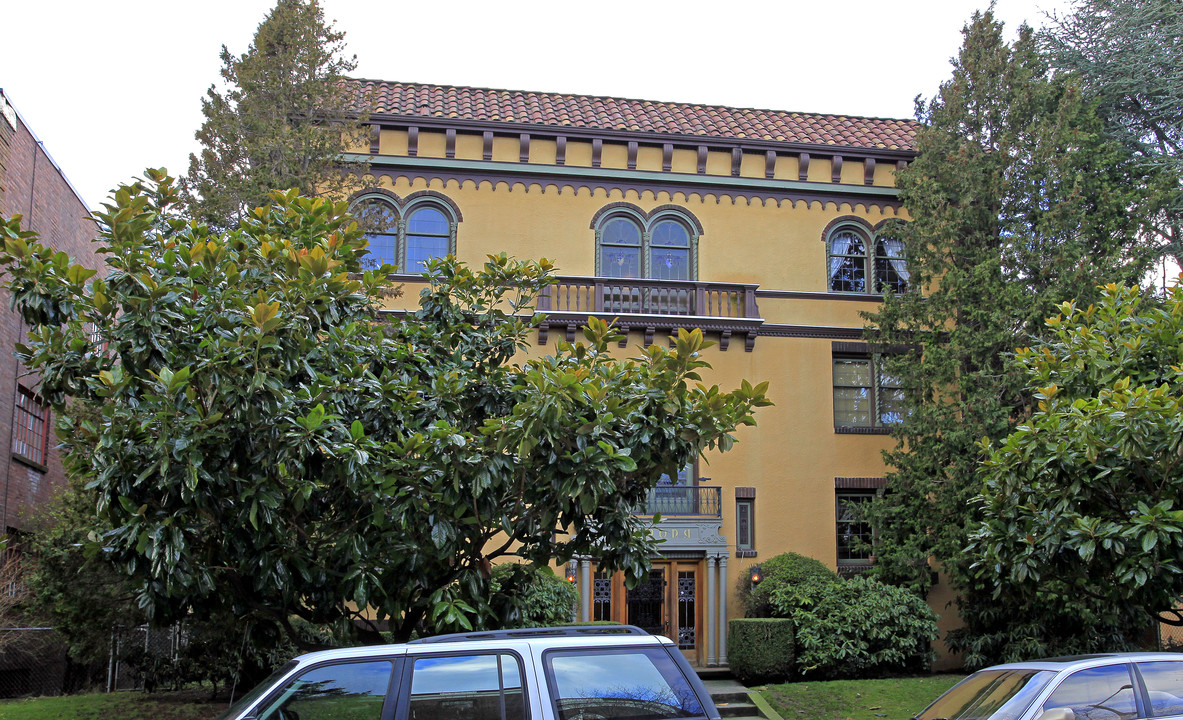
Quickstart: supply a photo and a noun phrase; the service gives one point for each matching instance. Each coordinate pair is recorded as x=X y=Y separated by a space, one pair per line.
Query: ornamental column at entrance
x=723 y=609
x=710 y=614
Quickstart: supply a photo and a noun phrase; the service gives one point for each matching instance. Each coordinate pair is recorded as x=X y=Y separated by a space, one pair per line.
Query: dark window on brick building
x=30 y=432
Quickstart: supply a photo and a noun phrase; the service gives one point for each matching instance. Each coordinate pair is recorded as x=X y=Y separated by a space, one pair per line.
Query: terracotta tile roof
x=646 y=116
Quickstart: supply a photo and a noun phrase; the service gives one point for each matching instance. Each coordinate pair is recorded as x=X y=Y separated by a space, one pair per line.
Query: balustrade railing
x=672 y=500
x=617 y=296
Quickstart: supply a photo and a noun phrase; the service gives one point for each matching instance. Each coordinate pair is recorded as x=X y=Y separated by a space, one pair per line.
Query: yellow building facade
x=759 y=227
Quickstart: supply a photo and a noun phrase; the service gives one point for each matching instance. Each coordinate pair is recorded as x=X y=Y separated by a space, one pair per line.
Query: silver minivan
x=1112 y=686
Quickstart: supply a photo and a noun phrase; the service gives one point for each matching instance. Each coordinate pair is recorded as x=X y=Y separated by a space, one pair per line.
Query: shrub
x=779 y=571
x=531 y=596
x=857 y=628
x=760 y=650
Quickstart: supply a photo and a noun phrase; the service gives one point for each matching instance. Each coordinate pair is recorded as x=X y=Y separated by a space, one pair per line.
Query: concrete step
x=736 y=703
x=737 y=709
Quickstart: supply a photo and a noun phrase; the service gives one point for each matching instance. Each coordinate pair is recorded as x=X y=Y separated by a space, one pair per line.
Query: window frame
x=745 y=546
x=863 y=496
x=24 y=404
x=276 y=691
x=874 y=281
x=652 y=652
x=1135 y=682
x=875 y=393
x=402 y=704
x=647 y=223
x=402 y=209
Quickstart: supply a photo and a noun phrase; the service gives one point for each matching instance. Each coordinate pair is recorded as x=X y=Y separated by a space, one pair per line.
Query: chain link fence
x=1170 y=637
x=34 y=661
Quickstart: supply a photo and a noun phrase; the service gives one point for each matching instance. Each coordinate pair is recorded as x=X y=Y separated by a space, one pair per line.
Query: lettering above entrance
x=689 y=534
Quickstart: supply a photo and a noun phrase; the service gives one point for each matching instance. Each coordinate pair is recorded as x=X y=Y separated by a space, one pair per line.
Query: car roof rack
x=526 y=633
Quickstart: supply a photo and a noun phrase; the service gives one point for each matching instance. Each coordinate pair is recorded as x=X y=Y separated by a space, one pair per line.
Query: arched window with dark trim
x=891 y=265
x=848 y=260
x=669 y=251
x=406 y=233
x=620 y=248
x=858 y=261
x=379 y=219
x=429 y=235
x=662 y=245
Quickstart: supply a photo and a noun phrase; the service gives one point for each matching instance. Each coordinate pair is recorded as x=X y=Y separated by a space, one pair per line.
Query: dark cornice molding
x=815 y=332
x=809 y=295
x=648 y=138
x=561 y=176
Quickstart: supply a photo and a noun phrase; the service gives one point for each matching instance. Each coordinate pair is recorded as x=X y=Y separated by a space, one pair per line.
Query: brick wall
x=31 y=185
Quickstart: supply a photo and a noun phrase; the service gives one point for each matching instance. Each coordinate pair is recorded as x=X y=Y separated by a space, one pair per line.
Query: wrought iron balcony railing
x=670 y=500
x=653 y=305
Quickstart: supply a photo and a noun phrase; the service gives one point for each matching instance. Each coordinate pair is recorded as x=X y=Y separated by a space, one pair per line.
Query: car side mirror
x=1060 y=713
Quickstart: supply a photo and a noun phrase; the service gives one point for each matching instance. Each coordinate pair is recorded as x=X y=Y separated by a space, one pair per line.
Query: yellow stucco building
x=760 y=227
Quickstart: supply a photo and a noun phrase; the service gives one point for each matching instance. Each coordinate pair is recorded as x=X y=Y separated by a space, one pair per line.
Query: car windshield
x=245 y=700
x=993 y=694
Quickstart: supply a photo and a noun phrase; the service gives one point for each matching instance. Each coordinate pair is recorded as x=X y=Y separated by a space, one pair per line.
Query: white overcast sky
x=114 y=87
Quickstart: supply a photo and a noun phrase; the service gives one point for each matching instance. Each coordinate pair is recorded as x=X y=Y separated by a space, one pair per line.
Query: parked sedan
x=1114 y=686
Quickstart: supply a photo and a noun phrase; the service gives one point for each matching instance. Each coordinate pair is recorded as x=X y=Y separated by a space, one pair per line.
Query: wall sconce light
x=756 y=575
x=571 y=573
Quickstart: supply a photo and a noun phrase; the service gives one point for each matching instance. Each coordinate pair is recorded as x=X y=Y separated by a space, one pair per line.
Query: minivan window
x=1100 y=693
x=994 y=694
x=352 y=690
x=1164 y=685
x=473 y=687
x=258 y=691
x=620 y=683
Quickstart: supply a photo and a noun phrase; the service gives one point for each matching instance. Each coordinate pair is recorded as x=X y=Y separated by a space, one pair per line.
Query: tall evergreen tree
x=282 y=121
x=1129 y=55
x=1017 y=204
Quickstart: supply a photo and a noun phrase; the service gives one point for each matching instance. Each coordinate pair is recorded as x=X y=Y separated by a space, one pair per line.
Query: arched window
x=891 y=266
x=669 y=251
x=429 y=234
x=620 y=248
x=661 y=245
x=406 y=233
x=860 y=262
x=379 y=219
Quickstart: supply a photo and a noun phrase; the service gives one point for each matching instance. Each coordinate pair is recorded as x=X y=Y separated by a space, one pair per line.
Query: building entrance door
x=667 y=604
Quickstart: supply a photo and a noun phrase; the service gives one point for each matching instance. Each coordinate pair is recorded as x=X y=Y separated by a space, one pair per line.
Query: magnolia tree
x=269 y=445
x=1087 y=494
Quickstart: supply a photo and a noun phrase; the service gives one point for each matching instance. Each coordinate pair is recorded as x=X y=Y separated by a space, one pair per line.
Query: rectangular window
x=1164 y=685
x=622 y=683
x=854 y=533
x=602 y=597
x=865 y=395
x=30 y=431
x=478 y=687
x=745 y=527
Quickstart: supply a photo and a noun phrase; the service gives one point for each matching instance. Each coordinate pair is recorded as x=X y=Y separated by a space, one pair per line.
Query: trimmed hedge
x=760 y=650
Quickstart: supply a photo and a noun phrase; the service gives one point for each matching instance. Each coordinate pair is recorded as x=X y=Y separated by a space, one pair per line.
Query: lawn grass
x=114 y=706
x=890 y=699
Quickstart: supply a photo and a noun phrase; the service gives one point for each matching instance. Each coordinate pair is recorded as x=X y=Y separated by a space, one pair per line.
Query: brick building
x=34 y=187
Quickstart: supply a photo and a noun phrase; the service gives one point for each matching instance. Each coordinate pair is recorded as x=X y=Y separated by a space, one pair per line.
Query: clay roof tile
x=584 y=111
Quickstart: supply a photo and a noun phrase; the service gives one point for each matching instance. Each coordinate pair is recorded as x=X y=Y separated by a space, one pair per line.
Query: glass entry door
x=646 y=604
x=668 y=604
